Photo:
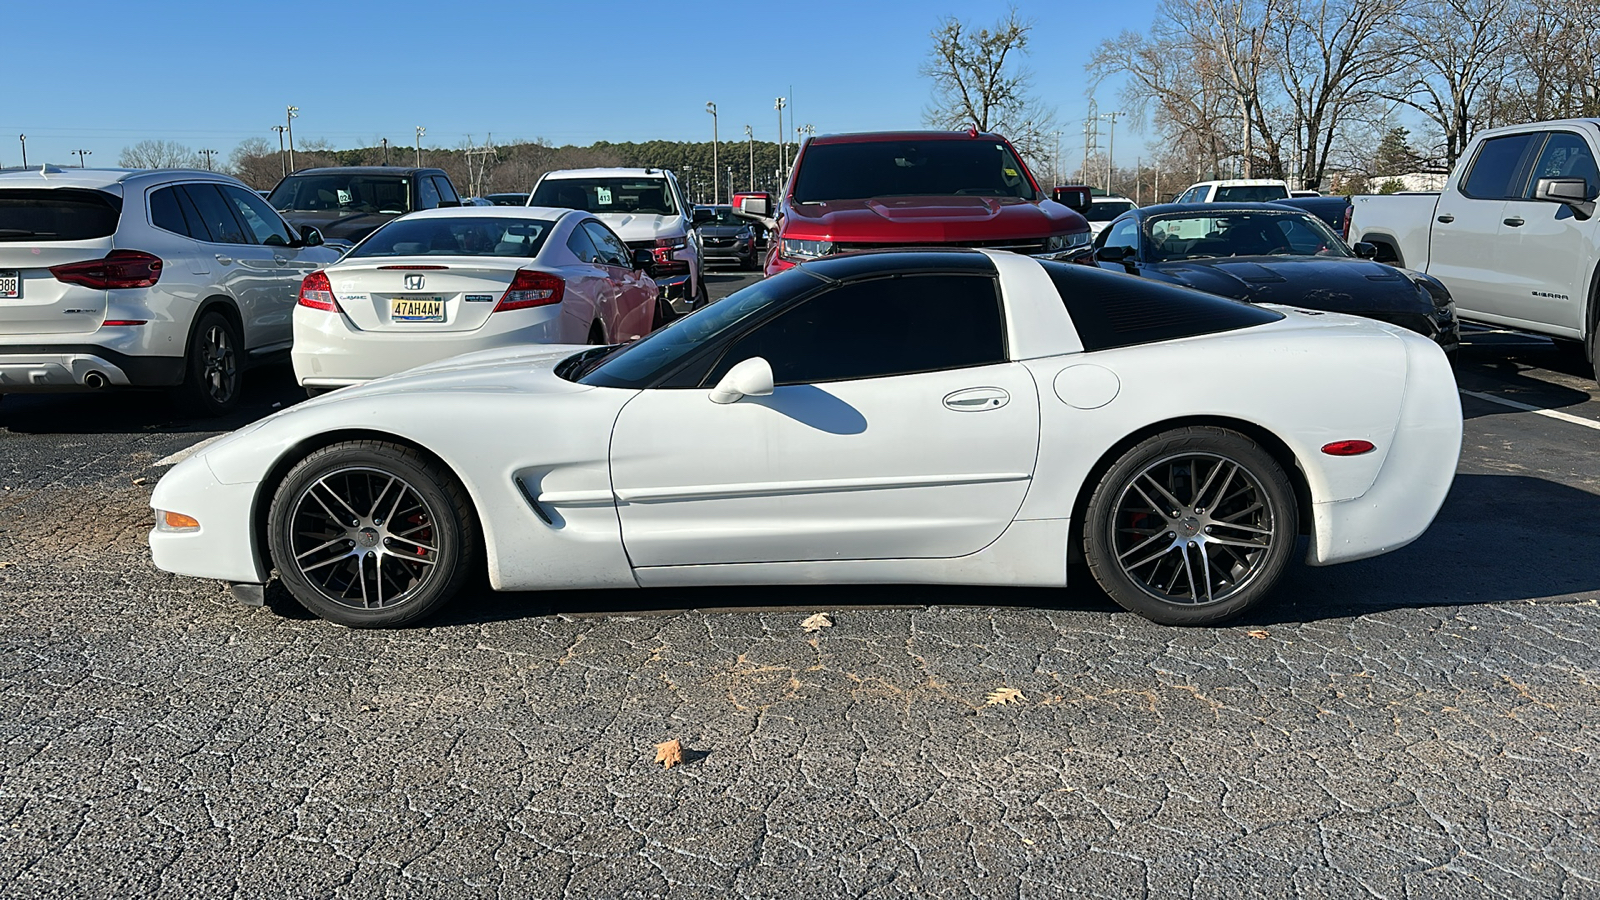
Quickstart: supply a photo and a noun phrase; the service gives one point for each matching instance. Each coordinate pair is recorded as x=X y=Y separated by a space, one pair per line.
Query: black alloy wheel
x=214 y=369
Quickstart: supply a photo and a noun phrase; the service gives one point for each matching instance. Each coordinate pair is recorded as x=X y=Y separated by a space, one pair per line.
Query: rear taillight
x=317 y=292
x=119 y=269
x=531 y=289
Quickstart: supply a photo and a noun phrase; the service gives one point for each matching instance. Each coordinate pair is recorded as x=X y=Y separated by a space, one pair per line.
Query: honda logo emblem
x=413 y=282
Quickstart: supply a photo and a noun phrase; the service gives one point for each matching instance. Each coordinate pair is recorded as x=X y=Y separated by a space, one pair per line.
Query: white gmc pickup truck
x=1513 y=235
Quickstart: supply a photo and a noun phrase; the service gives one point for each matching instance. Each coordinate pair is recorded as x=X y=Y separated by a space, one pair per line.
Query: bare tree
x=158 y=155
x=977 y=83
x=255 y=162
x=1457 y=54
x=1553 y=67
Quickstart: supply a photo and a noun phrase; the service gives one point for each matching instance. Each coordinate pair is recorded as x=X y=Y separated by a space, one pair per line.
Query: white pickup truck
x=1513 y=235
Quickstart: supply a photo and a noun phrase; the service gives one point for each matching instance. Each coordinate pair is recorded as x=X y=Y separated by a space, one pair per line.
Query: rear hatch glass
x=57 y=214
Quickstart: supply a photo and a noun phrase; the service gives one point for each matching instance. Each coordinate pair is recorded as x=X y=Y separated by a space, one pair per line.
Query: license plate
x=10 y=284
x=416 y=309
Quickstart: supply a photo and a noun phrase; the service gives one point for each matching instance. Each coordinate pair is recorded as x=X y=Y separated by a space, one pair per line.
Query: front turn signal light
x=176 y=521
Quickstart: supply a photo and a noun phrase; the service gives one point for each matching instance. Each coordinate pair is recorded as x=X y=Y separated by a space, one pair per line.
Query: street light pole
x=208 y=154
x=783 y=162
x=420 y=132
x=283 y=167
x=24 y=139
x=385 y=151
x=750 y=136
x=290 y=114
x=716 y=188
x=81 y=155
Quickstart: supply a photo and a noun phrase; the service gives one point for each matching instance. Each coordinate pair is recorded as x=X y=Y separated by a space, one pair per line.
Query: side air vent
x=1112 y=310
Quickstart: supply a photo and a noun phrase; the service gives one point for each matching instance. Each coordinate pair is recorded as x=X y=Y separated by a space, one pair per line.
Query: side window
x=1123 y=234
x=1495 y=170
x=1566 y=155
x=610 y=247
x=429 y=193
x=215 y=214
x=878 y=328
x=266 y=227
x=580 y=245
x=446 y=192
x=166 y=212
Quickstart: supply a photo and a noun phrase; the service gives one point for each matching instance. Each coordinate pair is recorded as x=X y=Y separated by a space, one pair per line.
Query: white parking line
x=191 y=450
x=1551 y=413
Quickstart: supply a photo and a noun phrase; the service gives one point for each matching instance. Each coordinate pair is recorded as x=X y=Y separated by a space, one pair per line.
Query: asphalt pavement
x=1423 y=724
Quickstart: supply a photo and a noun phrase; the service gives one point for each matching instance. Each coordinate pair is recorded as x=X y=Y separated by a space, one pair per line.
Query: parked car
x=1268 y=253
x=347 y=203
x=1513 y=234
x=939 y=417
x=513 y=199
x=725 y=237
x=144 y=278
x=1103 y=209
x=476 y=201
x=646 y=208
x=913 y=188
x=443 y=282
x=1235 y=190
x=1335 y=211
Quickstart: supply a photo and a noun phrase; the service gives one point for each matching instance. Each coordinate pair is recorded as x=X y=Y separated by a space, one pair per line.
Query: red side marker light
x=1348 y=448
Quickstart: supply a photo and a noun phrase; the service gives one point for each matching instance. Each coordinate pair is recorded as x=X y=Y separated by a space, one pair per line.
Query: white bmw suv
x=144 y=278
x=647 y=209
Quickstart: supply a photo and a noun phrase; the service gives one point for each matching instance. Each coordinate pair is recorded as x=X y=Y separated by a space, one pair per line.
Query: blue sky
x=212 y=74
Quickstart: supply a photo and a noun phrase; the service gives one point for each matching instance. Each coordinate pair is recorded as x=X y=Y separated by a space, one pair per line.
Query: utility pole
x=730 y=184
x=290 y=114
x=1091 y=134
x=283 y=167
x=1111 y=145
x=716 y=185
x=24 y=139
x=750 y=136
x=208 y=154
x=81 y=155
x=420 y=132
x=385 y=151
x=783 y=162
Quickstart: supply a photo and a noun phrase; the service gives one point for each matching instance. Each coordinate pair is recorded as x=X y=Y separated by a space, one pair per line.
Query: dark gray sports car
x=1265 y=253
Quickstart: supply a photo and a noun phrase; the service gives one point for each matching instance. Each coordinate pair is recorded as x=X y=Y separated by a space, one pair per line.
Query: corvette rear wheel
x=372 y=534
x=1191 y=527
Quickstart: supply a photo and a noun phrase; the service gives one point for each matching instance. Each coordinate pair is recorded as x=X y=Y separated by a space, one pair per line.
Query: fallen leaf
x=1000 y=696
x=140 y=480
x=817 y=622
x=6 y=565
x=1259 y=634
x=669 y=754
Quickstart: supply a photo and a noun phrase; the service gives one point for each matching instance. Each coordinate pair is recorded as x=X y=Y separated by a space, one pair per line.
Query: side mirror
x=310 y=236
x=1573 y=192
x=751 y=378
x=1114 y=254
x=755 y=206
x=1364 y=250
x=1076 y=197
x=643 y=258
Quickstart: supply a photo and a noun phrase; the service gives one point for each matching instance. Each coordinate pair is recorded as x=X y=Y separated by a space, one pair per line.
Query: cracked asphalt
x=1420 y=725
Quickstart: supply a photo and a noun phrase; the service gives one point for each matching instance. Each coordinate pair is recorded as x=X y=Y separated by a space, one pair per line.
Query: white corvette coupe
x=443 y=282
x=959 y=417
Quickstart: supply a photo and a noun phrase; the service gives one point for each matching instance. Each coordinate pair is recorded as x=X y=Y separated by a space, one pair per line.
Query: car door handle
x=281 y=260
x=1513 y=221
x=1447 y=218
x=225 y=260
x=977 y=399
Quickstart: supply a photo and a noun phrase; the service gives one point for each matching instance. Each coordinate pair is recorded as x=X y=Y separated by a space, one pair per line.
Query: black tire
x=214 y=370
x=1594 y=351
x=1146 y=557
x=339 y=570
x=701 y=295
x=597 y=334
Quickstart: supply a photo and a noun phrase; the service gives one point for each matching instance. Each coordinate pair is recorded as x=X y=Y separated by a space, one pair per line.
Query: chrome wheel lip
x=1242 y=530
x=219 y=364
x=355 y=550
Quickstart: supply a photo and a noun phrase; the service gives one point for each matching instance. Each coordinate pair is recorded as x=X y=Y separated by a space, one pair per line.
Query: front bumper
x=224 y=546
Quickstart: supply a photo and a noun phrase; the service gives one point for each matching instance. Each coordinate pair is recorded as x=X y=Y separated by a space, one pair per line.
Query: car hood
x=1338 y=284
x=642 y=226
x=338 y=225
x=929 y=220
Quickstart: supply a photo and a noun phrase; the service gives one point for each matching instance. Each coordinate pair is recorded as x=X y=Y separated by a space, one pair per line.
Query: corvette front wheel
x=1191 y=527
x=371 y=534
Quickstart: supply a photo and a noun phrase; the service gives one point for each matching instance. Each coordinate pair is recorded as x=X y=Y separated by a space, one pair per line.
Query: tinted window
x=446 y=192
x=1494 y=170
x=607 y=195
x=216 y=214
x=428 y=194
x=1566 y=155
x=1112 y=310
x=1105 y=211
x=62 y=214
x=879 y=327
x=857 y=171
x=1123 y=234
x=264 y=224
x=1252 y=193
x=608 y=245
x=343 y=192
x=580 y=245
x=1254 y=233
x=167 y=213
x=456 y=236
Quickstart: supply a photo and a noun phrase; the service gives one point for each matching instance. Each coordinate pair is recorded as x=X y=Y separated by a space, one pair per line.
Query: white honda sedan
x=442 y=282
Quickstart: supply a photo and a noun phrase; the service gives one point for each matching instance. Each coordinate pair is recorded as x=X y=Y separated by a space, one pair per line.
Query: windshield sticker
x=1011 y=172
x=602 y=196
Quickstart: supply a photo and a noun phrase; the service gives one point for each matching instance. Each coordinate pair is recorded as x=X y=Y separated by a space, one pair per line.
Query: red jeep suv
x=900 y=189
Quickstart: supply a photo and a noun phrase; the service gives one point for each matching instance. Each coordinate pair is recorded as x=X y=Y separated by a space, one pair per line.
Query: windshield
x=456 y=236
x=1106 y=210
x=857 y=171
x=724 y=216
x=343 y=193
x=57 y=214
x=607 y=195
x=1201 y=236
x=1251 y=193
x=646 y=361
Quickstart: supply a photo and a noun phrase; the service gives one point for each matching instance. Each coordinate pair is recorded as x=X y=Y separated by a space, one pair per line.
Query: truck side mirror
x=755 y=206
x=1074 y=197
x=1573 y=192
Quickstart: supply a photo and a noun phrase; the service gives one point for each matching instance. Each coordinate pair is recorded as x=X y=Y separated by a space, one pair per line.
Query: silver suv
x=144 y=278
